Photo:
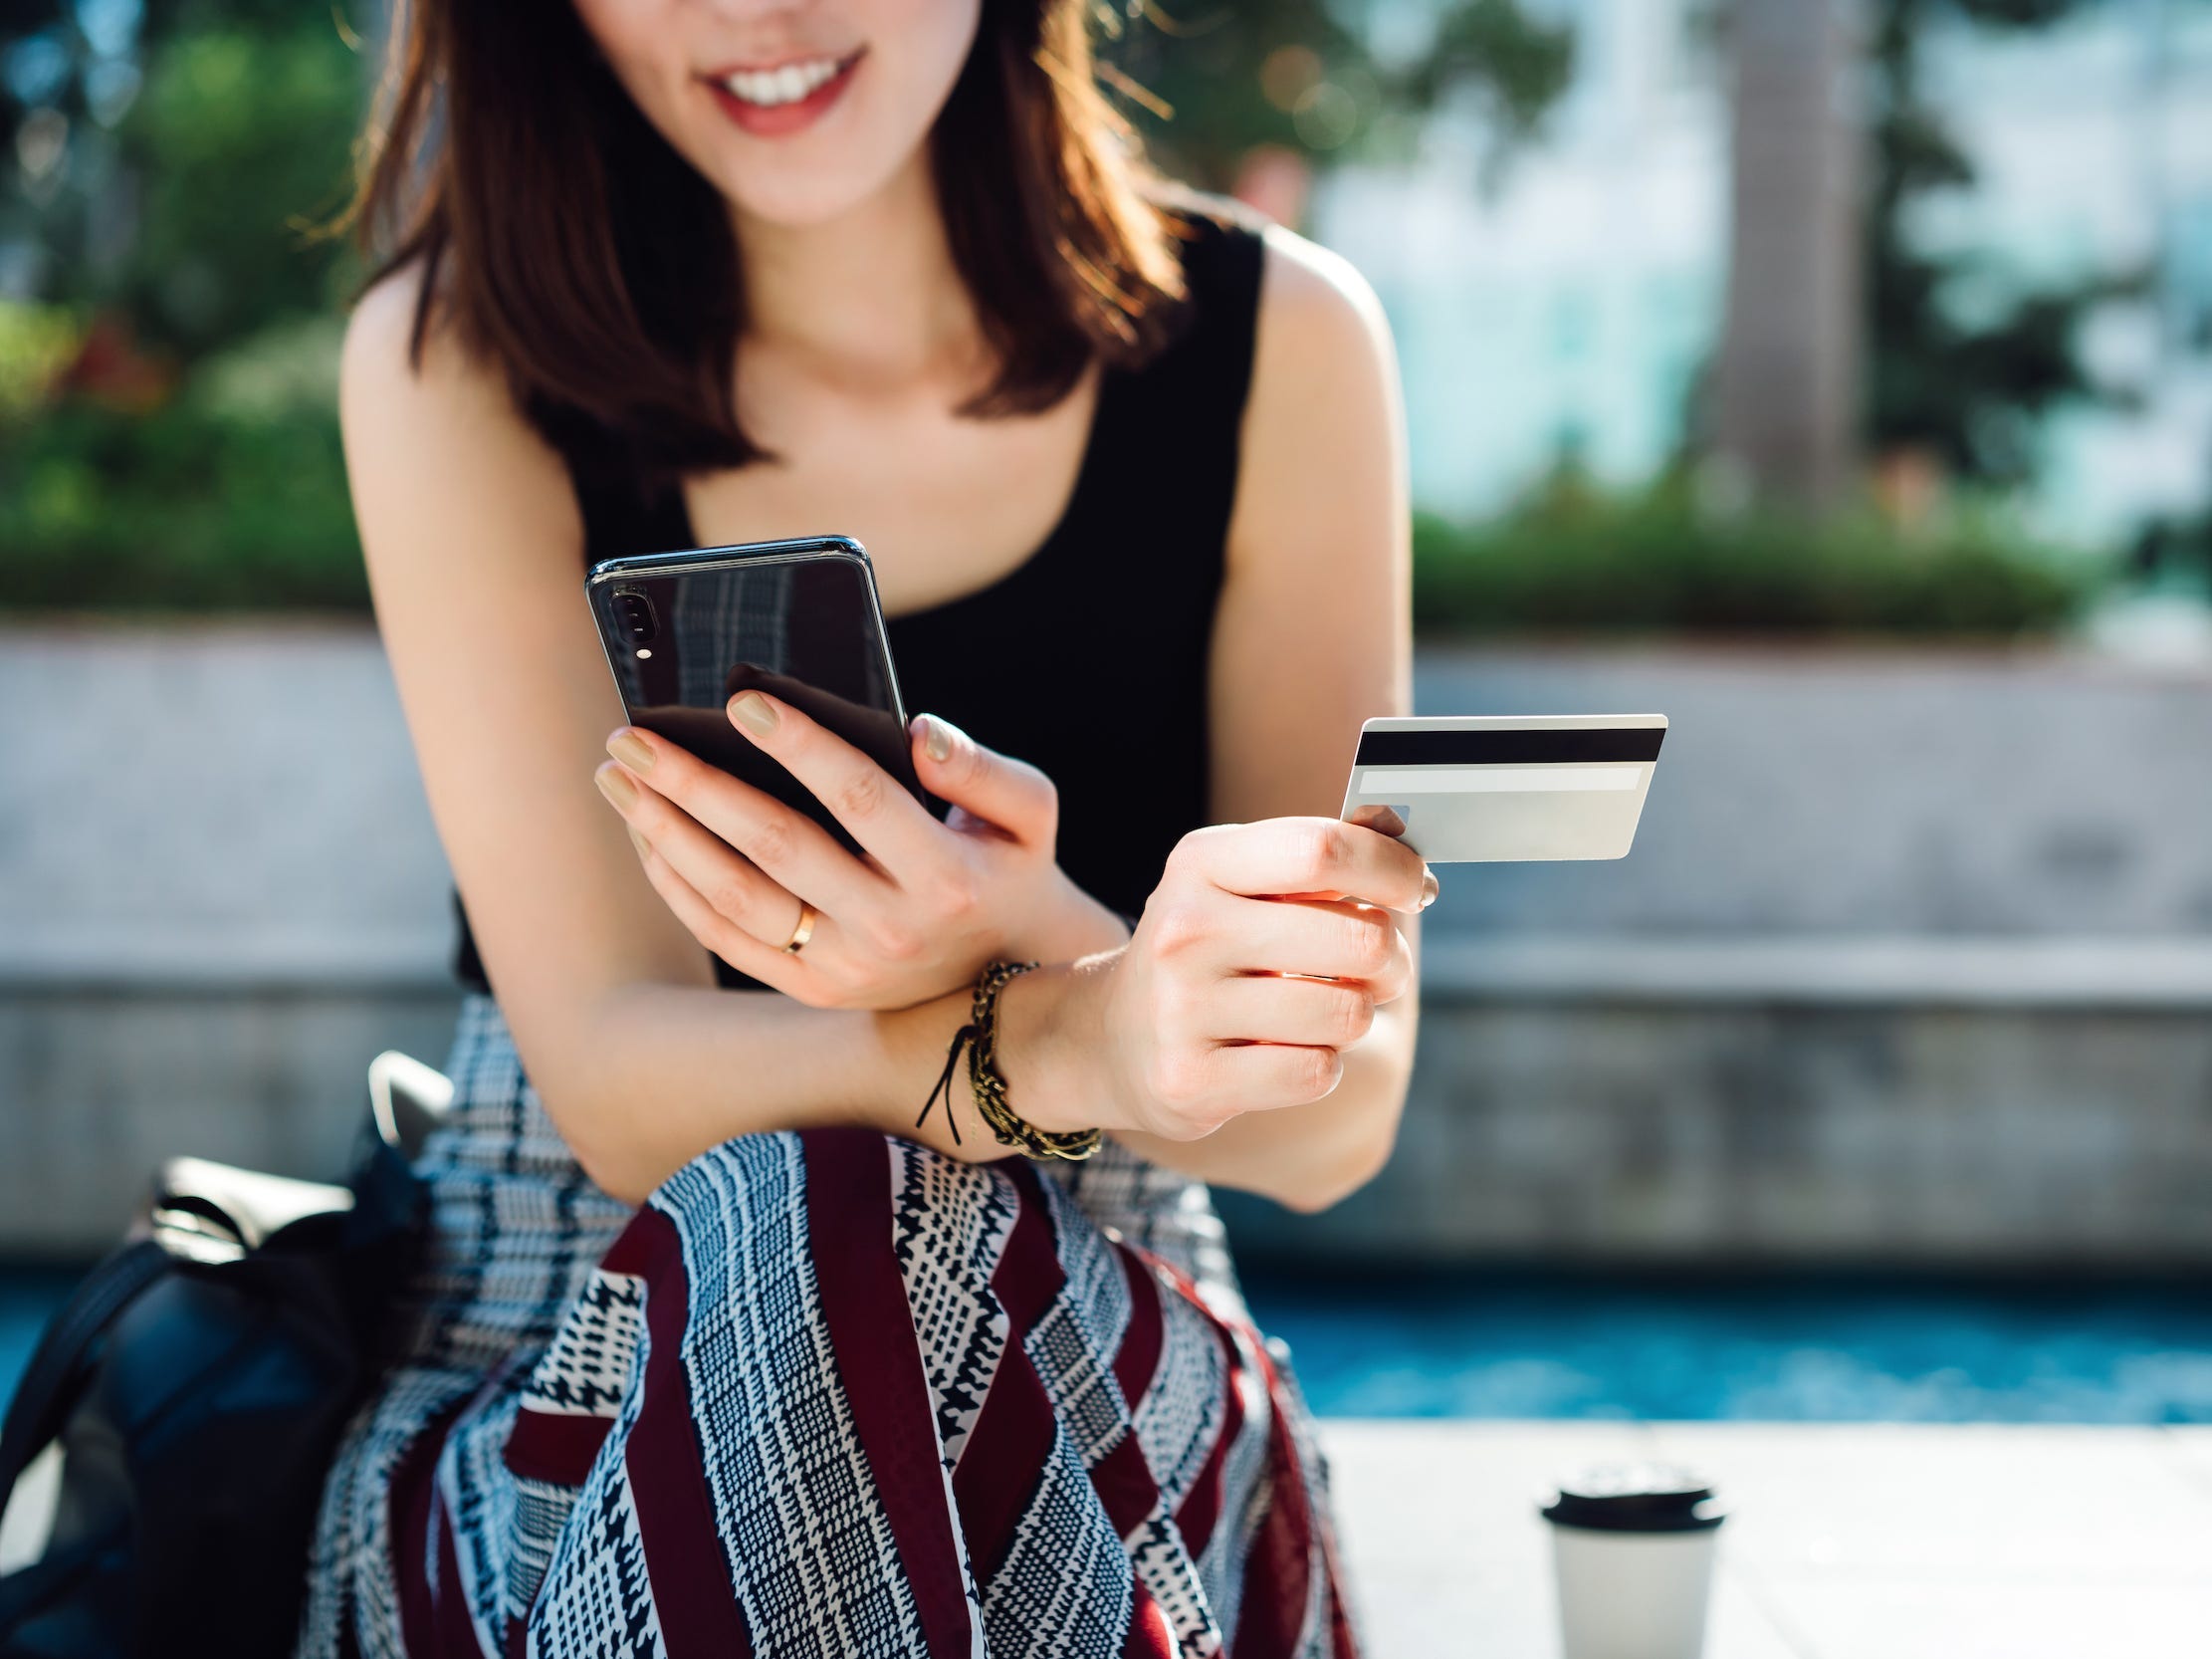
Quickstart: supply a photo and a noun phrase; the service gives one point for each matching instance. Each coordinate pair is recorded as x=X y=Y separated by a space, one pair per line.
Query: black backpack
x=167 y=1444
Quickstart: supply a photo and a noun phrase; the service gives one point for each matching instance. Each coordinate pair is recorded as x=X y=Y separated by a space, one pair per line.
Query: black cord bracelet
x=980 y=1036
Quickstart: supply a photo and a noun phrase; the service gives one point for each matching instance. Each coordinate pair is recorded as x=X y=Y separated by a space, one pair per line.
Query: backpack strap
x=56 y=1375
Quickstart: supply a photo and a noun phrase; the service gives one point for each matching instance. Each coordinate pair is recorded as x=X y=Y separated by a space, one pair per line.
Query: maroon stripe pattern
x=830 y=1394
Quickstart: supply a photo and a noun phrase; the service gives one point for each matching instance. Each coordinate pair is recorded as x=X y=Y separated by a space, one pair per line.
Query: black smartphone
x=684 y=632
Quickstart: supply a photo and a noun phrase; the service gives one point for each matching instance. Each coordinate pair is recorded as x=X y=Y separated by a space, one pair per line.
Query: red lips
x=780 y=121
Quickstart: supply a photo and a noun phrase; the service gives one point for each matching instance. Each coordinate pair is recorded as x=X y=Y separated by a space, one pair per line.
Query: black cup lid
x=1635 y=1497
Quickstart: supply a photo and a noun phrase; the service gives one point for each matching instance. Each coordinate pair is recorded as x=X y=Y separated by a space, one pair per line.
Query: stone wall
x=101 y=1085
x=1911 y=964
x=1869 y=792
x=220 y=895
x=1749 y=1131
x=1913 y=961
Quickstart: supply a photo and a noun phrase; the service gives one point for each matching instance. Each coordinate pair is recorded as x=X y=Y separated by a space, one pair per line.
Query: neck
x=870 y=297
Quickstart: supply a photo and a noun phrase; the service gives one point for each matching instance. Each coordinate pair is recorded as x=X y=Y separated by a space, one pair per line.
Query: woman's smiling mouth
x=786 y=98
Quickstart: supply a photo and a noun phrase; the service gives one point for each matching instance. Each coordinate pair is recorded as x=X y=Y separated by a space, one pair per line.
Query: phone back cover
x=805 y=628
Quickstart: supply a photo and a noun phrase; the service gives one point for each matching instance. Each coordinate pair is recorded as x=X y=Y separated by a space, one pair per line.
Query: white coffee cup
x=1633 y=1549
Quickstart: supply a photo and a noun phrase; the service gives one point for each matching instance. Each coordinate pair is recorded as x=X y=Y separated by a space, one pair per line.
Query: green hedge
x=173 y=513
x=230 y=493
x=230 y=496
x=1577 y=560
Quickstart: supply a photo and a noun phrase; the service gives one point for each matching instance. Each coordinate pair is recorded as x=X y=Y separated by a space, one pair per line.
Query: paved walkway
x=1849 y=1541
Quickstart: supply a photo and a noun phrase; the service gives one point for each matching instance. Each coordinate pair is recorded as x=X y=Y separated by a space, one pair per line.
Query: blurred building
x=1564 y=302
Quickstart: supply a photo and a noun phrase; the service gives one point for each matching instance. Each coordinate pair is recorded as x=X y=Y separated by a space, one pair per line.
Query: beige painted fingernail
x=937 y=738
x=1428 y=889
x=631 y=750
x=644 y=846
x=616 y=785
x=753 y=712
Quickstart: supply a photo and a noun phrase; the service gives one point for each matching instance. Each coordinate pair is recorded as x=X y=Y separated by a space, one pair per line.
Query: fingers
x=671 y=783
x=744 y=913
x=730 y=884
x=1218 y=934
x=1279 y=1073
x=1327 y=938
x=1282 y=856
x=1010 y=793
x=878 y=810
x=1204 y=1088
x=742 y=949
x=1311 y=1013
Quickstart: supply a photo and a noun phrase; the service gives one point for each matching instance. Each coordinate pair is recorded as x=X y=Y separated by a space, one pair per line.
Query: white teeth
x=786 y=85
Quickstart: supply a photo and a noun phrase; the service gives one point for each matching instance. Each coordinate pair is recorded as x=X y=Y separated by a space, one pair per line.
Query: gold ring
x=803 y=930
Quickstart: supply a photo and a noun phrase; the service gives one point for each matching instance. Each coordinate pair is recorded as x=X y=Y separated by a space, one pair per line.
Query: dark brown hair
x=568 y=242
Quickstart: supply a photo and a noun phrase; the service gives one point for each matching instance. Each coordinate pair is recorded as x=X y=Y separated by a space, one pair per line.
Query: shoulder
x=1324 y=377
x=1280 y=321
x=450 y=481
x=1318 y=318
x=383 y=355
x=426 y=417
x=1297 y=313
x=1323 y=437
x=403 y=360
x=1229 y=250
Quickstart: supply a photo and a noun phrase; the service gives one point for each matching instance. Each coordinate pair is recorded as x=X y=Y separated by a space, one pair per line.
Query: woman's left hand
x=925 y=909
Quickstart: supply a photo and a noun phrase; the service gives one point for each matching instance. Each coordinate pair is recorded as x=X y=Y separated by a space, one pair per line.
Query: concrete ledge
x=1892 y=792
x=1818 y=971
x=1909 y=964
x=1810 y=970
x=155 y=960
x=1807 y=792
x=1941 y=1102
x=1784 y=1133
x=98 y=1089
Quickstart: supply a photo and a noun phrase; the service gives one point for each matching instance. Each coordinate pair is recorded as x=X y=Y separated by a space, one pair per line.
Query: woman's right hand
x=916 y=914
x=1259 y=959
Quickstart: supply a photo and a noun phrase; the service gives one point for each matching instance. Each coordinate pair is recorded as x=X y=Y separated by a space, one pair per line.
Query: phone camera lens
x=635 y=614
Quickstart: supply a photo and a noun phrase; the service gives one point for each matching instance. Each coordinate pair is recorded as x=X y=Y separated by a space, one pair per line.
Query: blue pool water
x=1805 y=1347
x=1818 y=1349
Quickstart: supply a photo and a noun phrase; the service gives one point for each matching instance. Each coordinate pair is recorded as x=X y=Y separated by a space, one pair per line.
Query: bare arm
x=1313 y=636
x=475 y=555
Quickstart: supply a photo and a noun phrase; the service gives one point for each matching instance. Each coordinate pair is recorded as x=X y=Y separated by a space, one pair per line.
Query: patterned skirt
x=824 y=1393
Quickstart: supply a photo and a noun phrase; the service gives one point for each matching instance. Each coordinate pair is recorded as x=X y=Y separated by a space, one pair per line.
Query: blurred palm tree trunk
x=1788 y=386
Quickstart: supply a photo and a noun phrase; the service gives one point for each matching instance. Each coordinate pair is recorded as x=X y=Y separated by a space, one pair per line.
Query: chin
x=810 y=178
x=795 y=198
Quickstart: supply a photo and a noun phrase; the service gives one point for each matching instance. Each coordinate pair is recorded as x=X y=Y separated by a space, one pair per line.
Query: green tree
x=1970 y=392
x=1207 y=81
x=168 y=431
x=188 y=154
x=242 y=139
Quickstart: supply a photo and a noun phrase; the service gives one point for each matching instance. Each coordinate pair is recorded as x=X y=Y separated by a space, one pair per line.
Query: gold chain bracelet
x=988 y=1087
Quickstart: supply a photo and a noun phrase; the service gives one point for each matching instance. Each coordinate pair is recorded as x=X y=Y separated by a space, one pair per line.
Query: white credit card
x=1494 y=788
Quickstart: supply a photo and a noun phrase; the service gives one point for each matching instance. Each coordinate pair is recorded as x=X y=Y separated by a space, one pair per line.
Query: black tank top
x=1088 y=659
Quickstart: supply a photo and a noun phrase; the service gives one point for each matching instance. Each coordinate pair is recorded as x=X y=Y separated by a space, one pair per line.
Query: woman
x=717 y=1348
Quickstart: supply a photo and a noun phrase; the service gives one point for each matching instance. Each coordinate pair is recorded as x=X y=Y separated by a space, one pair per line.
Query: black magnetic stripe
x=1524 y=746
